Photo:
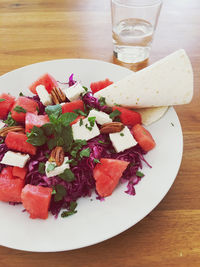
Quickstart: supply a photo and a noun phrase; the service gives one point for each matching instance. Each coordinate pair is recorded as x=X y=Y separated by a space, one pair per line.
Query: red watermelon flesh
x=107 y=174
x=19 y=172
x=32 y=119
x=17 y=141
x=10 y=187
x=97 y=86
x=128 y=116
x=29 y=105
x=70 y=106
x=46 y=80
x=36 y=200
x=6 y=104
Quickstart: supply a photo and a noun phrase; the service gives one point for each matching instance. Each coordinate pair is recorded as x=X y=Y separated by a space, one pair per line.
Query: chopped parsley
x=85 y=153
x=19 y=109
x=81 y=122
x=80 y=112
x=88 y=127
x=67 y=175
x=92 y=121
x=139 y=174
x=51 y=167
x=72 y=210
x=102 y=101
x=2 y=99
x=96 y=161
x=21 y=94
x=10 y=121
x=121 y=134
x=41 y=168
x=114 y=114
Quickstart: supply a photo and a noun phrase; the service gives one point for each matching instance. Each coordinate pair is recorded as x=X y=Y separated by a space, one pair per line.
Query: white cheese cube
x=57 y=170
x=101 y=117
x=83 y=130
x=73 y=92
x=122 y=140
x=44 y=96
x=15 y=159
x=2 y=124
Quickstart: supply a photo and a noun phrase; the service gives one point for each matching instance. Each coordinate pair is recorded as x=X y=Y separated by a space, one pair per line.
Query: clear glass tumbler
x=133 y=27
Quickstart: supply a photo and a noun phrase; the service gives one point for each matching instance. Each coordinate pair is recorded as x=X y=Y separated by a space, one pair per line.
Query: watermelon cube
x=18 y=141
x=19 y=172
x=32 y=119
x=46 y=80
x=107 y=174
x=71 y=106
x=128 y=116
x=10 y=187
x=97 y=86
x=6 y=104
x=23 y=104
x=36 y=200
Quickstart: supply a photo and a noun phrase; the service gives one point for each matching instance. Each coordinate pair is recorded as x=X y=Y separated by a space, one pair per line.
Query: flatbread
x=167 y=82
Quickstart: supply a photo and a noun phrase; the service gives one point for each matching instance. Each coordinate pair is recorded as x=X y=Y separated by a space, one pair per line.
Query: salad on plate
x=63 y=143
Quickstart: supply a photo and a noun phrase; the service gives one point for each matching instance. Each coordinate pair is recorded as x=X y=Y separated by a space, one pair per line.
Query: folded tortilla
x=167 y=82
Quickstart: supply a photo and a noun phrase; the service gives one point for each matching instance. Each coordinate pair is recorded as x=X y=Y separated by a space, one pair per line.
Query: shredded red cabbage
x=93 y=102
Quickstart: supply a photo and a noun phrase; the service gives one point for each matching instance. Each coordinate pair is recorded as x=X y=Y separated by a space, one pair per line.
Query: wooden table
x=39 y=30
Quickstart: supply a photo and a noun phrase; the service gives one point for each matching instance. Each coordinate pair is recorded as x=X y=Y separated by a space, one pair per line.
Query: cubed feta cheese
x=122 y=140
x=44 y=96
x=57 y=170
x=2 y=124
x=73 y=92
x=83 y=130
x=101 y=117
x=15 y=159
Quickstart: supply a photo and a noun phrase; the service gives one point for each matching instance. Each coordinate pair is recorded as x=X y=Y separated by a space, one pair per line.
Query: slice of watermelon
x=107 y=174
x=47 y=80
x=32 y=119
x=17 y=141
x=143 y=137
x=10 y=188
x=29 y=105
x=19 y=172
x=36 y=200
x=70 y=106
x=128 y=116
x=6 y=103
x=97 y=86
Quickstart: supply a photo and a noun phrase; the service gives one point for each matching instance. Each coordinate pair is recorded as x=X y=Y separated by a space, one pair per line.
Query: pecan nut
x=4 y=131
x=57 y=156
x=111 y=127
x=57 y=95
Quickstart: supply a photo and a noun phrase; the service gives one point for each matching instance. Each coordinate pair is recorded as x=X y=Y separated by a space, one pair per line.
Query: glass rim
x=137 y=4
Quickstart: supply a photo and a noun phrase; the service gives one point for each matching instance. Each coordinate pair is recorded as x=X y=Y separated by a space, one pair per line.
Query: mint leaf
x=2 y=99
x=96 y=161
x=67 y=137
x=48 y=129
x=51 y=167
x=80 y=112
x=102 y=101
x=10 y=121
x=139 y=174
x=67 y=175
x=85 y=88
x=51 y=143
x=53 y=192
x=36 y=137
x=85 y=153
x=71 y=210
x=60 y=192
x=19 y=109
x=55 y=111
x=41 y=168
x=92 y=121
x=67 y=118
x=114 y=114
x=77 y=145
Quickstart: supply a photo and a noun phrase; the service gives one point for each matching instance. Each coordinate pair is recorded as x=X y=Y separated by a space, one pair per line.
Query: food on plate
x=167 y=82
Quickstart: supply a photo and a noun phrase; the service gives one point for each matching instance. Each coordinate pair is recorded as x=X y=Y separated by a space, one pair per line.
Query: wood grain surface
x=39 y=30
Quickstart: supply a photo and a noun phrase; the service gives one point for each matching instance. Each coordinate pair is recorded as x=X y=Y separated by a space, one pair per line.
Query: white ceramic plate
x=95 y=221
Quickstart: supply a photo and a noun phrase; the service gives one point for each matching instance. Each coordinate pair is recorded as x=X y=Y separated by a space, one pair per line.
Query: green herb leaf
x=53 y=192
x=1 y=141
x=10 y=121
x=88 y=127
x=77 y=145
x=139 y=174
x=36 y=137
x=114 y=114
x=51 y=143
x=102 y=101
x=67 y=137
x=21 y=94
x=60 y=192
x=2 y=99
x=48 y=128
x=81 y=122
x=67 y=175
x=41 y=168
x=85 y=153
x=71 y=210
x=55 y=110
x=51 y=167
x=117 y=105
x=19 y=109
x=85 y=88
x=97 y=161
x=92 y=121
x=67 y=118
x=122 y=134
x=80 y=112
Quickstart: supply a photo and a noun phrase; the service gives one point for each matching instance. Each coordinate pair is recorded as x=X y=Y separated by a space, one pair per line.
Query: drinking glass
x=133 y=27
